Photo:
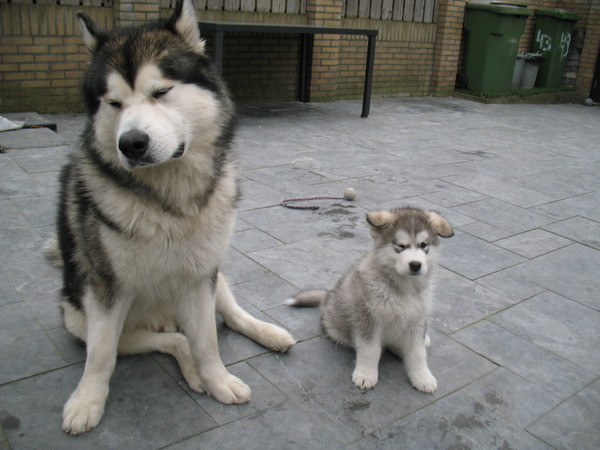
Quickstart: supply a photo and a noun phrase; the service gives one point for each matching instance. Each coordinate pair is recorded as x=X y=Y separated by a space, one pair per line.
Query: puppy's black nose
x=415 y=266
x=134 y=144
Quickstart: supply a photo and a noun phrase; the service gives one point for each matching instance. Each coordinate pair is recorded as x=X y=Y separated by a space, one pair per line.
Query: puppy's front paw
x=82 y=412
x=424 y=382
x=364 y=379
x=230 y=390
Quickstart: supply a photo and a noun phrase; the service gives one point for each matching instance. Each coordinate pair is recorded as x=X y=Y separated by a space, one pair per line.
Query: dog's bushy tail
x=308 y=298
x=52 y=252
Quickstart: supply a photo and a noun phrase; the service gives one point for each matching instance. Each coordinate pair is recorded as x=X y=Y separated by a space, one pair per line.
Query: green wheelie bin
x=493 y=34
x=553 y=28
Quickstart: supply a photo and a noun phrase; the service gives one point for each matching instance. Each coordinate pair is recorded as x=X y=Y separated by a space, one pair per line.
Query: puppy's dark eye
x=160 y=92
x=423 y=245
x=115 y=104
x=399 y=248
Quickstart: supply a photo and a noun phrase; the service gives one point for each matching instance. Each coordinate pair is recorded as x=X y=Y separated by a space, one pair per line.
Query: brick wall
x=42 y=57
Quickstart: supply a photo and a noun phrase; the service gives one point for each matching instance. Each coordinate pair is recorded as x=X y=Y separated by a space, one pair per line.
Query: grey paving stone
x=560 y=325
x=572 y=424
x=506 y=347
x=264 y=396
x=16 y=233
x=71 y=349
x=265 y=293
x=534 y=243
x=30 y=138
x=579 y=229
x=508 y=395
x=459 y=302
x=47 y=159
x=137 y=413
x=239 y=268
x=303 y=323
x=511 y=283
x=39 y=211
x=16 y=183
x=289 y=225
x=28 y=273
x=251 y=240
x=282 y=426
x=456 y=421
x=473 y=258
x=485 y=231
x=583 y=205
x=256 y=195
x=502 y=190
x=518 y=354
x=317 y=374
x=570 y=271
x=24 y=344
x=305 y=267
x=503 y=215
x=560 y=182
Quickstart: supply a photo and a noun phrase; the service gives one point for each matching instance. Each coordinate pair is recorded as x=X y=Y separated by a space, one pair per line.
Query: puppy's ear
x=379 y=219
x=93 y=35
x=441 y=226
x=185 y=24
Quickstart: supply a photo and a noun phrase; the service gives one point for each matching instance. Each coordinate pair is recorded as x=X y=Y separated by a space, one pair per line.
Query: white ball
x=350 y=194
x=588 y=102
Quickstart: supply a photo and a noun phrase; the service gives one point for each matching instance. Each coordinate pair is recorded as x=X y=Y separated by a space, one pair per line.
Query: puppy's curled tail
x=308 y=298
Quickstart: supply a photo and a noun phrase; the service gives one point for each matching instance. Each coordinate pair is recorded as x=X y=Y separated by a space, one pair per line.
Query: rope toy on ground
x=349 y=194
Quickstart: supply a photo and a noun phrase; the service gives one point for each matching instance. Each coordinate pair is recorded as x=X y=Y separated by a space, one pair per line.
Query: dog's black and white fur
x=146 y=211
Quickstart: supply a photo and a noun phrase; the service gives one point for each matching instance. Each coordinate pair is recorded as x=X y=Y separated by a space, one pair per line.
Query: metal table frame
x=307 y=33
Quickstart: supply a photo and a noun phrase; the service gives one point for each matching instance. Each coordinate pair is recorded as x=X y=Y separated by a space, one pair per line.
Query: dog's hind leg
x=85 y=407
x=266 y=334
x=174 y=344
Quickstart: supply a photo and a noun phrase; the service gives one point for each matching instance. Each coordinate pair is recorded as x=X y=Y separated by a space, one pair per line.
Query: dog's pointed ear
x=441 y=226
x=184 y=22
x=378 y=219
x=93 y=35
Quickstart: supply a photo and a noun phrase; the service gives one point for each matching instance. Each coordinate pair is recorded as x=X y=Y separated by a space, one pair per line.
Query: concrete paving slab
x=574 y=423
x=558 y=324
x=514 y=324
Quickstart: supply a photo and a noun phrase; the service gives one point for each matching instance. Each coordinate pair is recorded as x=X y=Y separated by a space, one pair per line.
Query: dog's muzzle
x=179 y=152
x=134 y=144
x=415 y=267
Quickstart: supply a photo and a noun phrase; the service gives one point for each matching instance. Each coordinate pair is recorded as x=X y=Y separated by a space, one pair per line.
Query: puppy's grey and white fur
x=383 y=301
x=146 y=211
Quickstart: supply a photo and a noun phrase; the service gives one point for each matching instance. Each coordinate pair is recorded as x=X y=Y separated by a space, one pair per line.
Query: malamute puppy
x=146 y=211
x=383 y=301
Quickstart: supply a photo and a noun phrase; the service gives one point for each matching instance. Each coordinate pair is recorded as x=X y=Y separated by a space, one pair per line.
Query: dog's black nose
x=134 y=143
x=415 y=266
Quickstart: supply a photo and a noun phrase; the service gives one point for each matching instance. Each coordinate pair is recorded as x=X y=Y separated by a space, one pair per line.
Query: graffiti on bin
x=565 y=41
x=545 y=42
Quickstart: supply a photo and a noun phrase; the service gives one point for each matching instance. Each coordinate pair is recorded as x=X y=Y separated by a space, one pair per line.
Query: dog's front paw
x=425 y=382
x=230 y=390
x=364 y=379
x=276 y=338
x=82 y=412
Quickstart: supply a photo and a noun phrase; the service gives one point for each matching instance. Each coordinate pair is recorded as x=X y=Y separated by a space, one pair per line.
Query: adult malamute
x=146 y=211
x=383 y=301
